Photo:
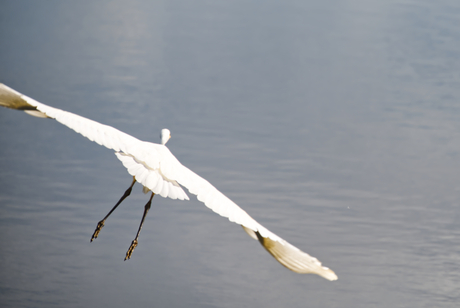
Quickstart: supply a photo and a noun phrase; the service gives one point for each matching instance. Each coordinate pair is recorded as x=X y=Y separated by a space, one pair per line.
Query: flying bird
x=159 y=172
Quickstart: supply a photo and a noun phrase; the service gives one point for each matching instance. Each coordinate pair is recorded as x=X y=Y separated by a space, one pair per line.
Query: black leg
x=101 y=223
x=134 y=242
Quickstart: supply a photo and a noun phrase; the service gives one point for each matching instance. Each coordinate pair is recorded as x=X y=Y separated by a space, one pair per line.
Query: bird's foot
x=130 y=250
x=98 y=229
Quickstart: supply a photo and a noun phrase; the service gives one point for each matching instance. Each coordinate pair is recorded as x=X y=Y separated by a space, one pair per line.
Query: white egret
x=156 y=168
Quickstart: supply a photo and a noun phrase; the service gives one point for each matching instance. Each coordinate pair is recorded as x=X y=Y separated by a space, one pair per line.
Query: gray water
x=335 y=124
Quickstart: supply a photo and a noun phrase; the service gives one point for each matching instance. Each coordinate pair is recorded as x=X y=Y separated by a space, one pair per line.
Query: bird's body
x=158 y=170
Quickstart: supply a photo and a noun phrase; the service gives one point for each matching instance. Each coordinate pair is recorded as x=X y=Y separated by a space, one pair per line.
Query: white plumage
x=156 y=168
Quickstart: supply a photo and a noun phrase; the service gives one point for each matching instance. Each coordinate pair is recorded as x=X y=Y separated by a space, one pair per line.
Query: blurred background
x=332 y=123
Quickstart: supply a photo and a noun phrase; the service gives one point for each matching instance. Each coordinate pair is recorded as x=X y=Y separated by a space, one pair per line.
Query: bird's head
x=165 y=135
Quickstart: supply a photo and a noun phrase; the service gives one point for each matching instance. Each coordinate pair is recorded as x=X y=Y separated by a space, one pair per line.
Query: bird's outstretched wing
x=140 y=158
x=155 y=167
x=285 y=253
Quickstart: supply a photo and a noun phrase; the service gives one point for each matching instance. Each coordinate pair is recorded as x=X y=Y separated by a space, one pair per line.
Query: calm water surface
x=334 y=124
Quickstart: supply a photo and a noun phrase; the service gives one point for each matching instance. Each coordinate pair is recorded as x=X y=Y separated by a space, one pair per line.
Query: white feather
x=156 y=168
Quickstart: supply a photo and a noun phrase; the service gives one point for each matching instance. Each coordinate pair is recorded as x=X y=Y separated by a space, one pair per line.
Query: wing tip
x=295 y=259
x=328 y=274
x=11 y=98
